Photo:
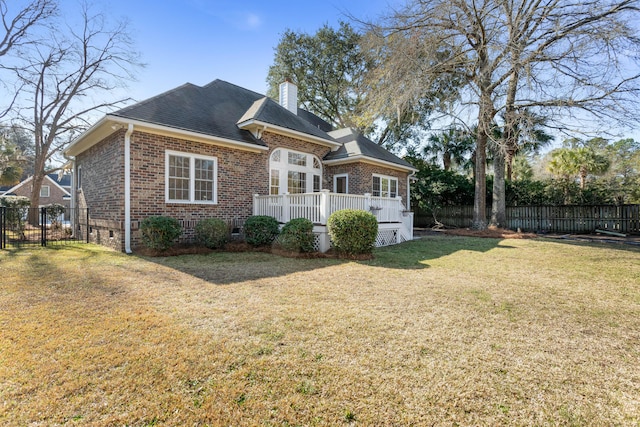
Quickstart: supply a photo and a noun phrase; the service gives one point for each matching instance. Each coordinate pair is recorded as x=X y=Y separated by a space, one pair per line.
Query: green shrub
x=213 y=233
x=159 y=232
x=261 y=230
x=54 y=211
x=353 y=231
x=18 y=208
x=297 y=236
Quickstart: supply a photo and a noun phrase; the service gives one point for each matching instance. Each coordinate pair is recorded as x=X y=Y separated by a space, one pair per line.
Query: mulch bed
x=239 y=246
x=494 y=233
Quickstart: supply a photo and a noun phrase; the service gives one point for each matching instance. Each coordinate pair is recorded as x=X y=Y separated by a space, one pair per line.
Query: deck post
x=367 y=201
x=255 y=204
x=324 y=206
x=286 y=210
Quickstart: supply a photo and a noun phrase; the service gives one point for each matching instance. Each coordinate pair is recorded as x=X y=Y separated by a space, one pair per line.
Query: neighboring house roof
x=63 y=180
x=49 y=179
x=356 y=146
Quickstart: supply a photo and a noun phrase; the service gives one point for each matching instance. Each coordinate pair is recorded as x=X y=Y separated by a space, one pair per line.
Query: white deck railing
x=317 y=207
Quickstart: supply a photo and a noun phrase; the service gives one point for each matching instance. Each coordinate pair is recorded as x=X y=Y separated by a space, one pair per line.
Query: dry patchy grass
x=441 y=331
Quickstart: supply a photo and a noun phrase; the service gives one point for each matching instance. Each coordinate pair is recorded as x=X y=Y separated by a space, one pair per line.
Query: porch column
x=325 y=206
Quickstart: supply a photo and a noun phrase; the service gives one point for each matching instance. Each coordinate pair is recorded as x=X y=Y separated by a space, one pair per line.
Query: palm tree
x=454 y=145
x=579 y=161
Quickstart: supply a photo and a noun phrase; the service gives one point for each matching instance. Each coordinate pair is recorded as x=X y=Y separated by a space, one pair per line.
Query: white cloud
x=253 y=21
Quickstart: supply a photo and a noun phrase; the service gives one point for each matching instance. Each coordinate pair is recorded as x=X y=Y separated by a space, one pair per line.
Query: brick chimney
x=289 y=96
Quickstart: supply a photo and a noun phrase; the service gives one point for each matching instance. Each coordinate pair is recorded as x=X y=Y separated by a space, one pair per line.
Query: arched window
x=294 y=172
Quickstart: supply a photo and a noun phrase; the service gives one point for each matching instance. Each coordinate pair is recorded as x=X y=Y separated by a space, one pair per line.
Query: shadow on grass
x=223 y=268
x=417 y=253
x=626 y=245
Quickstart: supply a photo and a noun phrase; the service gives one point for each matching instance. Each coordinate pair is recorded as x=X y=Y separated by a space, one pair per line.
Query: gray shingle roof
x=212 y=110
x=268 y=111
x=356 y=144
x=217 y=108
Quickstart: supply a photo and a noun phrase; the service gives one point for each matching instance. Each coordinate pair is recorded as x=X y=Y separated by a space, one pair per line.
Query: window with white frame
x=294 y=172
x=45 y=191
x=341 y=183
x=384 y=186
x=190 y=178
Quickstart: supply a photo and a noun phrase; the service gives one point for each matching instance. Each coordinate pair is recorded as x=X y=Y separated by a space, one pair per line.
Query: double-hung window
x=191 y=178
x=45 y=191
x=384 y=186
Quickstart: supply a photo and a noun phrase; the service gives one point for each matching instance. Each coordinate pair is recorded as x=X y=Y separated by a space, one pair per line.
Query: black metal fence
x=42 y=226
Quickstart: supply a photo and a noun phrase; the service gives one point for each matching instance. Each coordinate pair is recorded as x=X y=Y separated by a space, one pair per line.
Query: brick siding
x=241 y=174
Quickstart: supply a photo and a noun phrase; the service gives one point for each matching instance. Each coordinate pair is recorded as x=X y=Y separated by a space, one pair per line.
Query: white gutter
x=127 y=189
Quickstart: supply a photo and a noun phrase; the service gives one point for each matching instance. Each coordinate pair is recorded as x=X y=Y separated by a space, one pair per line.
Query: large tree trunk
x=498 y=205
x=34 y=212
x=486 y=112
x=480 y=173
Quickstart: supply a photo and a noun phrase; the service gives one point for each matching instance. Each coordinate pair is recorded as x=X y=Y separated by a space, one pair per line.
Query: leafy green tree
x=332 y=69
x=328 y=68
x=434 y=187
x=11 y=161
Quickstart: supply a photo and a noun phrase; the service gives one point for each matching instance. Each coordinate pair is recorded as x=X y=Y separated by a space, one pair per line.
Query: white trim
x=335 y=182
x=104 y=127
x=370 y=160
x=192 y=157
x=284 y=167
x=46 y=176
x=251 y=123
x=389 y=178
x=48 y=187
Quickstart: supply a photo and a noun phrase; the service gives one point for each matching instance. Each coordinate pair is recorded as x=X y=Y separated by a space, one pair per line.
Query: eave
x=370 y=160
x=109 y=124
x=257 y=128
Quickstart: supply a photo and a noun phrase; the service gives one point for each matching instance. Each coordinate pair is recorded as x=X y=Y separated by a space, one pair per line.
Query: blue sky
x=198 y=41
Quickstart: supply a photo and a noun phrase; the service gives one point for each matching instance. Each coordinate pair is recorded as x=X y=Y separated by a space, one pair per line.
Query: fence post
x=3 y=228
x=43 y=226
x=87 y=227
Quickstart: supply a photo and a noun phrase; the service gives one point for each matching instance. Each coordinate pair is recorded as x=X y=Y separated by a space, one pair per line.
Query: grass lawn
x=441 y=331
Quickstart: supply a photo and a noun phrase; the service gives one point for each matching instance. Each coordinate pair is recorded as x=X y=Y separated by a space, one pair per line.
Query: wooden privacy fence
x=553 y=219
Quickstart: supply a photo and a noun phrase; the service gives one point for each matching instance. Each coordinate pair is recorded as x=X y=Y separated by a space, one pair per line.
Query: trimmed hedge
x=260 y=230
x=159 y=232
x=212 y=233
x=353 y=231
x=297 y=236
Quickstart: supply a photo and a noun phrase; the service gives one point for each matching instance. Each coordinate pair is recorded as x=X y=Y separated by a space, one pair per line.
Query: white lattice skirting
x=388 y=234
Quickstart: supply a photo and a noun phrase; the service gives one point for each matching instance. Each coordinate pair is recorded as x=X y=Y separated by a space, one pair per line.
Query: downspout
x=74 y=189
x=409 y=190
x=127 y=189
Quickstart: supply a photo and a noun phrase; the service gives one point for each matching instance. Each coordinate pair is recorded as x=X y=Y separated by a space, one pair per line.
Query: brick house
x=54 y=189
x=227 y=152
